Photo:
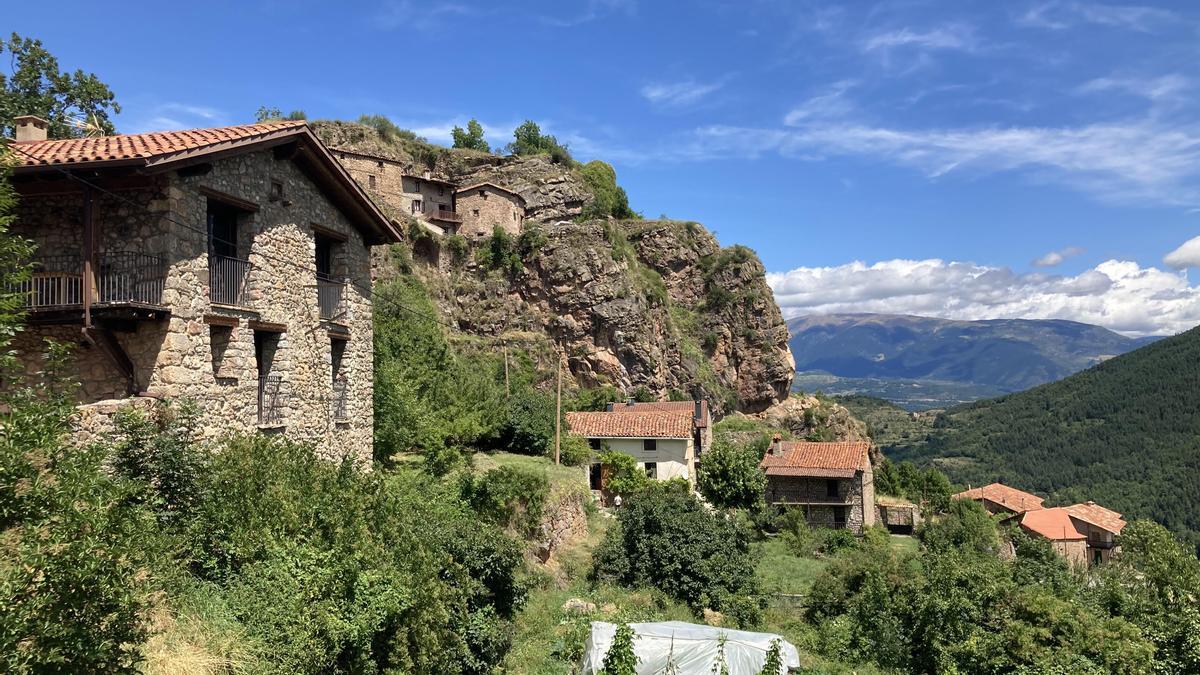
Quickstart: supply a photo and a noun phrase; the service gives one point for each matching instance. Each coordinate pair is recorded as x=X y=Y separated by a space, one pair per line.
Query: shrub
x=609 y=199
x=620 y=659
x=668 y=540
x=388 y=130
x=527 y=427
x=625 y=477
x=158 y=451
x=574 y=450
x=729 y=477
x=965 y=525
x=458 y=246
x=510 y=496
x=531 y=241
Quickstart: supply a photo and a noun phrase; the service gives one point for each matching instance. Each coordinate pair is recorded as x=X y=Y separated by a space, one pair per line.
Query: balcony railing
x=122 y=278
x=341 y=399
x=446 y=215
x=1100 y=543
x=330 y=296
x=270 y=399
x=227 y=280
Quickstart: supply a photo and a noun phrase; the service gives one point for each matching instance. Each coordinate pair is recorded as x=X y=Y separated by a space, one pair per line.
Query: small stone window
x=371 y=181
x=594 y=443
x=441 y=190
x=220 y=337
x=652 y=470
x=475 y=212
x=831 y=488
x=483 y=194
x=649 y=444
x=418 y=206
x=839 y=516
x=276 y=193
x=379 y=164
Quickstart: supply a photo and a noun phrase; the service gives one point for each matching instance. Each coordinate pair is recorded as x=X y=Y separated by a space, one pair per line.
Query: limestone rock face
x=806 y=416
x=551 y=191
x=655 y=304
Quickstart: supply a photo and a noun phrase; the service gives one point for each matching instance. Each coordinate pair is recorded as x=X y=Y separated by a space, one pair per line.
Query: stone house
x=484 y=206
x=1000 y=498
x=429 y=200
x=230 y=266
x=1083 y=534
x=662 y=441
x=832 y=482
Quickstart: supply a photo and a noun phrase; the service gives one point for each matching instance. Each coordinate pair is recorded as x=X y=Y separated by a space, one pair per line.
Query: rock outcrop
x=654 y=304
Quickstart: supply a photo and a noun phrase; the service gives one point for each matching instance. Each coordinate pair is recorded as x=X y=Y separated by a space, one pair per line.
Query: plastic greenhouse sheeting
x=691 y=647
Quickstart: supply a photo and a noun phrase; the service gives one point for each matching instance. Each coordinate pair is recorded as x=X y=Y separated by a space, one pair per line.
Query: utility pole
x=558 y=412
x=506 y=389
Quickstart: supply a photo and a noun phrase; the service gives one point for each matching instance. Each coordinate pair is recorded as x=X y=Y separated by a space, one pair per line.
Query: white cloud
x=1187 y=255
x=1056 y=257
x=169 y=116
x=1153 y=89
x=419 y=15
x=952 y=36
x=678 y=94
x=1057 y=15
x=592 y=10
x=832 y=104
x=1119 y=295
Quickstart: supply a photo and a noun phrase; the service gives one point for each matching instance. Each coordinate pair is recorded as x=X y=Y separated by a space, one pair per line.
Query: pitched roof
x=1094 y=514
x=630 y=425
x=476 y=186
x=156 y=144
x=1008 y=497
x=682 y=407
x=1054 y=524
x=165 y=150
x=806 y=458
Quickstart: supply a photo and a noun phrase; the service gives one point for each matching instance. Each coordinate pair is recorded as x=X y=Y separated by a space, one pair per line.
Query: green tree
x=665 y=538
x=527 y=426
x=528 y=139
x=74 y=104
x=966 y=525
x=620 y=659
x=471 y=138
x=729 y=477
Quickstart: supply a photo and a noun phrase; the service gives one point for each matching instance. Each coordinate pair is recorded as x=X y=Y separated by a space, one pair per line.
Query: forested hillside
x=1125 y=433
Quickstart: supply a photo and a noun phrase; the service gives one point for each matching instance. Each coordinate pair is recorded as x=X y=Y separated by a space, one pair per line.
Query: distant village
x=181 y=274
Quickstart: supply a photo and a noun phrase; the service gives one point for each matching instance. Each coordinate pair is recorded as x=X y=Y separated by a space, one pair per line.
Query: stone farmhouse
x=442 y=207
x=665 y=438
x=833 y=482
x=1000 y=498
x=1083 y=534
x=486 y=206
x=230 y=266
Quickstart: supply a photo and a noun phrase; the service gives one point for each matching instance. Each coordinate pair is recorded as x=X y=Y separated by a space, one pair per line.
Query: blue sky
x=893 y=156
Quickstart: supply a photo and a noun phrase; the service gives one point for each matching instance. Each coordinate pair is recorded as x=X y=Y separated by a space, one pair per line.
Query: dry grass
x=185 y=643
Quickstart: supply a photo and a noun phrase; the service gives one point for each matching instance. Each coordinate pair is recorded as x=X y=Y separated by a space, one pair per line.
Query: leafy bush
x=510 y=496
x=729 y=477
x=500 y=252
x=574 y=450
x=620 y=659
x=458 y=245
x=624 y=476
x=965 y=525
x=157 y=449
x=609 y=199
x=527 y=426
x=388 y=130
x=528 y=139
x=531 y=240
x=668 y=540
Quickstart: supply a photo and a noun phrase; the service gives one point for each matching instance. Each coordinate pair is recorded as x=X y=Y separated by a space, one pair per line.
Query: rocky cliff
x=633 y=304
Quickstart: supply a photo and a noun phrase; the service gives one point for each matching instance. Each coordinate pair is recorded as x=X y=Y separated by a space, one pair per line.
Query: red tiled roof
x=1054 y=524
x=685 y=407
x=138 y=146
x=630 y=425
x=805 y=458
x=1094 y=514
x=499 y=188
x=1010 y=498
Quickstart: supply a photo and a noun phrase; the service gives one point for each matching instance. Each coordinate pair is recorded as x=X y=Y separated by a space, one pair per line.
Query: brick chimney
x=30 y=128
x=630 y=401
x=776 y=448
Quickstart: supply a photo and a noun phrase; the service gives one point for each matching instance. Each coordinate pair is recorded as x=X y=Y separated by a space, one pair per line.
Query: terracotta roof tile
x=1054 y=524
x=630 y=425
x=1097 y=515
x=138 y=146
x=684 y=407
x=1008 y=497
x=805 y=458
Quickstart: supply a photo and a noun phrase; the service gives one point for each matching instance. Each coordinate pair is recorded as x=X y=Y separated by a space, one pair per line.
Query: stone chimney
x=630 y=401
x=30 y=128
x=699 y=411
x=608 y=407
x=776 y=448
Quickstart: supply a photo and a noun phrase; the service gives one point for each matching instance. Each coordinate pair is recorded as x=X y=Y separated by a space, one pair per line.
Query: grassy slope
x=1125 y=433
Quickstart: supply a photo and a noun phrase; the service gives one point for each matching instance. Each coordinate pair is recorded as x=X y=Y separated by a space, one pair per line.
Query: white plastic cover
x=692 y=647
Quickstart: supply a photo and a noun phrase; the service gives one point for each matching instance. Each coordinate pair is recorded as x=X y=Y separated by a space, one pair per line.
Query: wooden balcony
x=444 y=216
x=125 y=285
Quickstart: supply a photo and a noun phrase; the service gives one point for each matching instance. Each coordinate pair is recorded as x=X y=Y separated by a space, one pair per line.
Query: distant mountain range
x=922 y=362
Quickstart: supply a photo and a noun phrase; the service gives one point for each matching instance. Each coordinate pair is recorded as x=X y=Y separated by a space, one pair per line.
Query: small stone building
x=429 y=200
x=898 y=515
x=484 y=206
x=662 y=441
x=1000 y=498
x=832 y=482
x=1083 y=534
x=230 y=266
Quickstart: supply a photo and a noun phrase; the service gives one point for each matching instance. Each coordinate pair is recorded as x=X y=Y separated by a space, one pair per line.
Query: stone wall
x=175 y=357
x=484 y=207
x=811 y=494
x=388 y=181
